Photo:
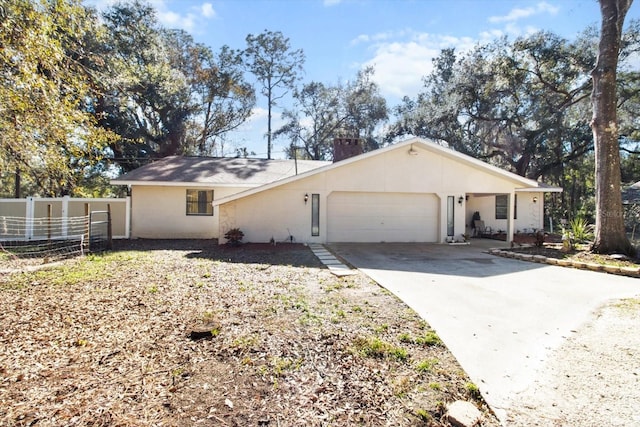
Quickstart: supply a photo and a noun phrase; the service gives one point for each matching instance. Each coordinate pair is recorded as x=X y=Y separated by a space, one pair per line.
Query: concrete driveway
x=500 y=317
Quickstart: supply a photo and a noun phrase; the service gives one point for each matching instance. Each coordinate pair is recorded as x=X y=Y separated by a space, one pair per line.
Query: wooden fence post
x=109 y=229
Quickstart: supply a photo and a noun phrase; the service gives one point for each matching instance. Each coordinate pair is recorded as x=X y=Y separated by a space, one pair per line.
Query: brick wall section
x=343 y=148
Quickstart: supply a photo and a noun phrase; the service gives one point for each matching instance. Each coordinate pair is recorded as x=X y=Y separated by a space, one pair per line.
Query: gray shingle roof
x=216 y=171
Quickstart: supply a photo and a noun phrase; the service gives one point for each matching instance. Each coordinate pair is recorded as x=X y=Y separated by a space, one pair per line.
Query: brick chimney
x=343 y=148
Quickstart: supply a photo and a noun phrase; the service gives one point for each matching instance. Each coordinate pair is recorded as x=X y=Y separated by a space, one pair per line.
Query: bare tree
x=610 y=233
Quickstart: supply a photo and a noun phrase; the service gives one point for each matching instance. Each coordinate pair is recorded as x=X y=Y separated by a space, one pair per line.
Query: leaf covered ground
x=580 y=253
x=187 y=333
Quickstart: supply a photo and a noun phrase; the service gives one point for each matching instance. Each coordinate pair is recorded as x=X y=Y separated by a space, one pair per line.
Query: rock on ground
x=463 y=414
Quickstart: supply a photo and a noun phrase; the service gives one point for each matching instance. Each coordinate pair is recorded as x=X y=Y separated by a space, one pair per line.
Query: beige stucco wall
x=159 y=212
x=530 y=214
x=281 y=211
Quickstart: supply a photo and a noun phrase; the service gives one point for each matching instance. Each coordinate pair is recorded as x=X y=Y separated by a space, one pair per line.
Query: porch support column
x=442 y=217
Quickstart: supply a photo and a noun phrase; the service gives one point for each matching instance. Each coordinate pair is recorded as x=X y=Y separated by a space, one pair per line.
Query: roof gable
x=409 y=145
x=219 y=171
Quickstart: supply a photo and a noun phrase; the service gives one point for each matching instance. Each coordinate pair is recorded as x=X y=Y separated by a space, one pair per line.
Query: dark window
x=515 y=206
x=502 y=206
x=315 y=214
x=199 y=202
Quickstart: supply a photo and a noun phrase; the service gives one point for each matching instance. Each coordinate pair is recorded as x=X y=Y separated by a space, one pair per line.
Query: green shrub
x=377 y=348
x=424 y=415
x=234 y=236
x=473 y=391
x=426 y=365
x=429 y=339
x=581 y=230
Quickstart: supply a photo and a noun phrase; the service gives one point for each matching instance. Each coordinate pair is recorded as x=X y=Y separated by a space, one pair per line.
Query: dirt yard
x=187 y=333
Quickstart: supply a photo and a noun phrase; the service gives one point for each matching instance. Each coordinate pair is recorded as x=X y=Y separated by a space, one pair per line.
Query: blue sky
x=339 y=37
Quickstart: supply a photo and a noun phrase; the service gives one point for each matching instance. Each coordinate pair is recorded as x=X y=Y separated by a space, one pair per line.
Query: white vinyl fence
x=39 y=218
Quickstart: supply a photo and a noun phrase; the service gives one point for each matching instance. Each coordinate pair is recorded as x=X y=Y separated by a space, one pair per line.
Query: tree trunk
x=17 y=184
x=269 y=105
x=610 y=233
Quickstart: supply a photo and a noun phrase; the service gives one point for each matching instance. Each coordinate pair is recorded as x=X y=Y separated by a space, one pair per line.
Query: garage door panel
x=376 y=217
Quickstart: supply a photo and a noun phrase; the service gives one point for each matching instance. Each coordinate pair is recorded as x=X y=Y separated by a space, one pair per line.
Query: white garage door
x=382 y=217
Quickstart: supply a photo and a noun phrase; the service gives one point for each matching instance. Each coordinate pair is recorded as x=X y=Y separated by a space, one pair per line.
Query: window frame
x=451 y=216
x=315 y=214
x=204 y=207
x=502 y=209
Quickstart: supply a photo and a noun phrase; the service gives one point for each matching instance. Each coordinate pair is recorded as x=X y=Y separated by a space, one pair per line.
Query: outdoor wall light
x=535 y=199
x=306 y=198
x=413 y=152
x=460 y=200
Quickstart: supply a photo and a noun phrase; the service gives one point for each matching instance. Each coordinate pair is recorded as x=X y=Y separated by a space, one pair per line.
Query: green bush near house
x=234 y=236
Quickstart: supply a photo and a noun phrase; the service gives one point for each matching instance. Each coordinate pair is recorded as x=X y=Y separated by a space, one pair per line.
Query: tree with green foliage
x=312 y=124
x=630 y=166
x=525 y=106
x=610 y=234
x=147 y=101
x=49 y=138
x=514 y=104
x=168 y=95
x=365 y=109
x=321 y=113
x=270 y=58
x=223 y=98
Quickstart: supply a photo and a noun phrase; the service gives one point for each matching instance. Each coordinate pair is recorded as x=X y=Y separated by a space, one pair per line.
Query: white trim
x=127 y=218
x=30 y=213
x=540 y=190
x=422 y=143
x=189 y=184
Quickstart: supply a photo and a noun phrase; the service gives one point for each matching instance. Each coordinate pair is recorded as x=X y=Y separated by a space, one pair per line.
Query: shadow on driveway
x=441 y=259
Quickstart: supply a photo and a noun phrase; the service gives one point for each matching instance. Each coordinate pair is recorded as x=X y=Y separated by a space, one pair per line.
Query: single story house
x=413 y=191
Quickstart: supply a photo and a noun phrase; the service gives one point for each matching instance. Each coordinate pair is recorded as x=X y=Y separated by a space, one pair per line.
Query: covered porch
x=501 y=216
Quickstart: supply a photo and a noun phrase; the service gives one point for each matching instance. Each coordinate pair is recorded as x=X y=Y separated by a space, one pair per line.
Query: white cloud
x=207 y=10
x=175 y=20
x=401 y=64
x=378 y=37
x=258 y=113
x=189 y=21
x=362 y=38
x=519 y=13
x=512 y=21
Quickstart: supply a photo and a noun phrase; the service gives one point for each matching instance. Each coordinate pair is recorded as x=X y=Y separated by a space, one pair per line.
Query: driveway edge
x=610 y=269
